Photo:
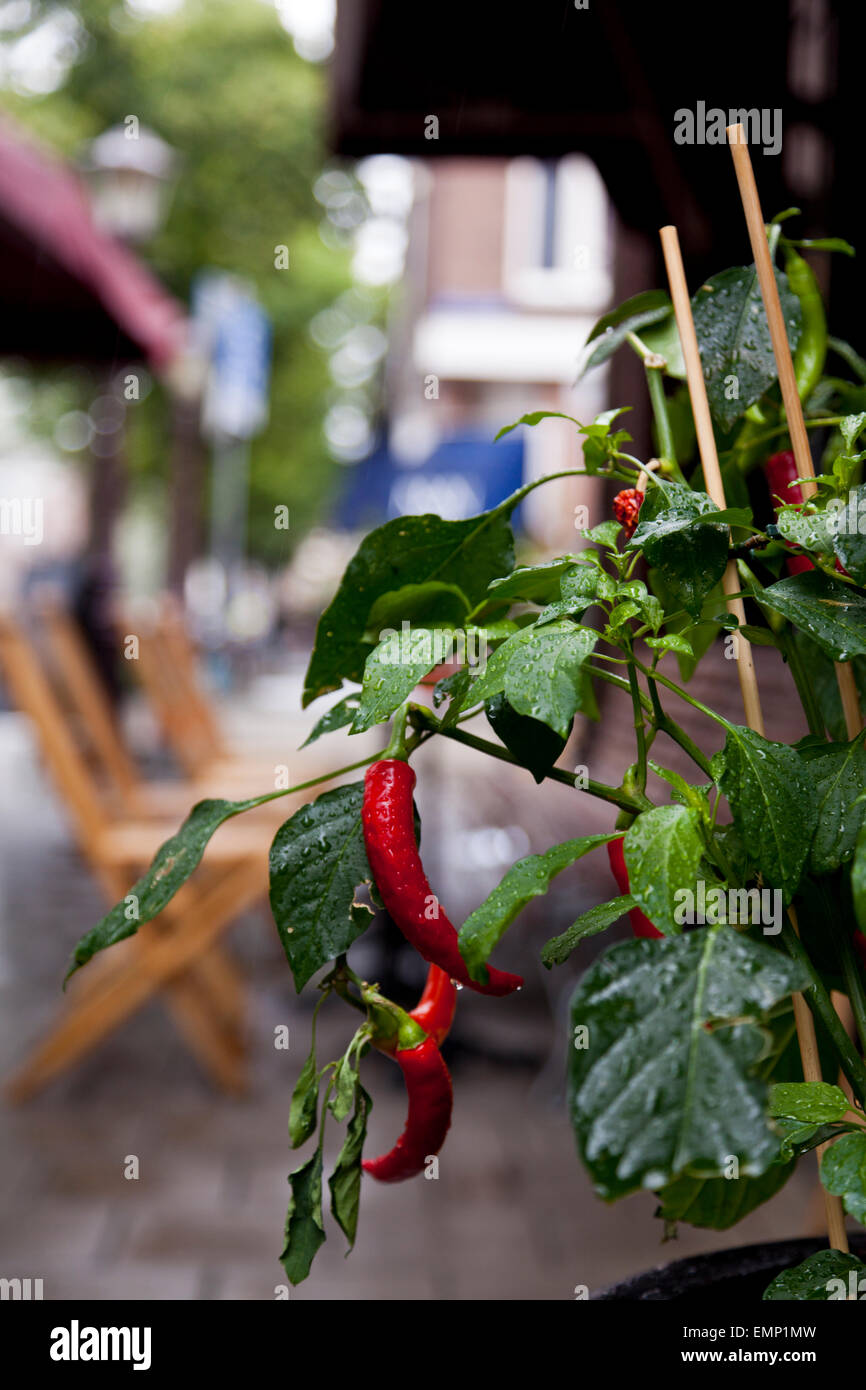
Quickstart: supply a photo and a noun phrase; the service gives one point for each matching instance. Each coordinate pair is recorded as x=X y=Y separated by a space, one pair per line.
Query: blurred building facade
x=506 y=271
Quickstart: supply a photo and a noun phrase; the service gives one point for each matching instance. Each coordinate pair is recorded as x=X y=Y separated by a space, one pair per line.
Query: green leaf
x=813 y=1102
x=345 y=1181
x=169 y=869
x=582 y=583
x=453 y=688
x=663 y=849
x=683 y=791
x=826 y=243
x=838 y=775
x=558 y=949
x=422 y=605
x=535 y=746
x=623 y=613
x=346 y=1080
x=393 y=669
x=543 y=674
x=772 y=804
x=337 y=717
x=758 y=636
x=734 y=339
x=491 y=680
x=700 y=636
x=535 y=417
x=525 y=880
x=606 y=534
x=848 y=527
x=304 y=1107
x=851 y=427
x=671 y=642
x=410 y=550
x=730 y=516
x=664 y=339
x=667 y=1036
x=828 y=611
x=642 y=310
x=822 y=1278
x=317 y=860
x=305 y=1231
x=822 y=675
x=843 y=1173
x=532 y=583
x=805 y=527
x=799 y=1138
x=691 y=559
x=716 y=1204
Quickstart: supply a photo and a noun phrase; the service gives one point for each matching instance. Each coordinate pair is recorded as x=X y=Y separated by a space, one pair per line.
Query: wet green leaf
x=667 y=1037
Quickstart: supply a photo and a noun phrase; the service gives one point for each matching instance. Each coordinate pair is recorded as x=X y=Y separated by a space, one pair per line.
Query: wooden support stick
x=745 y=665
x=811 y=1060
x=785 y=368
x=709 y=459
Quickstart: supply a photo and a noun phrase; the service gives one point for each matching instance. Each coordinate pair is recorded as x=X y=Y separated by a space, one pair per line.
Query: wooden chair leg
x=219 y=976
x=216 y=974
x=85 y=1022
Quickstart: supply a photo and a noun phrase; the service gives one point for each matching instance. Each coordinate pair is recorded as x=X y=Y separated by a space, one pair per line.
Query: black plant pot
x=739 y=1275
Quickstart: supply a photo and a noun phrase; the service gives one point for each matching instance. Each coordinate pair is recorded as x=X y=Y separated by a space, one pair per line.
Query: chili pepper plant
x=684 y=1076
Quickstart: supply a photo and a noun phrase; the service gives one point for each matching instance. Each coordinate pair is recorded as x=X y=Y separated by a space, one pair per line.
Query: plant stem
x=658 y=399
x=683 y=694
x=821 y=1004
x=666 y=725
x=611 y=679
x=315 y=781
x=640 y=734
x=783 y=429
x=615 y=795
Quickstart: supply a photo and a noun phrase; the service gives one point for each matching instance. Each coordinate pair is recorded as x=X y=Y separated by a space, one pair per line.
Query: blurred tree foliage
x=221 y=82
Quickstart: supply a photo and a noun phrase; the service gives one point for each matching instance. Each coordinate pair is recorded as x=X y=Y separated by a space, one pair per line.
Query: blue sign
x=234 y=333
x=465 y=474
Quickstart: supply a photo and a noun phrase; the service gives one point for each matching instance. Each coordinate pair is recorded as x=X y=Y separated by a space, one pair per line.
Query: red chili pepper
x=430 y=1100
x=640 y=924
x=626 y=506
x=435 y=1009
x=389 y=835
x=780 y=470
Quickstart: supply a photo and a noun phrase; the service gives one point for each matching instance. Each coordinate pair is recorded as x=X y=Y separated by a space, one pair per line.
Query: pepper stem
x=397 y=746
x=392 y=1026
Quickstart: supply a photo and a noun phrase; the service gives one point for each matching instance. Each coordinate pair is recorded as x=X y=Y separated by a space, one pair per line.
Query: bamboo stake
x=785 y=368
x=745 y=665
x=793 y=407
x=710 y=460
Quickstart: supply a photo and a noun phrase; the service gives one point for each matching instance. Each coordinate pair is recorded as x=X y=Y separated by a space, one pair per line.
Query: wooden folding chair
x=178 y=954
x=77 y=675
x=167 y=669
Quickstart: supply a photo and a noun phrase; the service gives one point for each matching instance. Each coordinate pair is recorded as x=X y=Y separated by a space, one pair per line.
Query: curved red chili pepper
x=428 y=1085
x=640 y=924
x=434 y=1011
x=780 y=470
x=389 y=835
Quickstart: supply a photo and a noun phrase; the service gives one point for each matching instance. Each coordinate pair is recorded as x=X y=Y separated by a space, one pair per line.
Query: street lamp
x=130 y=176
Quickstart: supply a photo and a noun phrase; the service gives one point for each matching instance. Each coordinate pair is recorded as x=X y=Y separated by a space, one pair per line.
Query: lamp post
x=130 y=173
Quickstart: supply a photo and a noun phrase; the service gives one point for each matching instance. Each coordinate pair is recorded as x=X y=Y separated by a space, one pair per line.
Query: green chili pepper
x=811 y=350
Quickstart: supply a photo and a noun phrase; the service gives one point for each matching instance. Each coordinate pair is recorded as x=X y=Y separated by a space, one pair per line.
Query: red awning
x=67 y=290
